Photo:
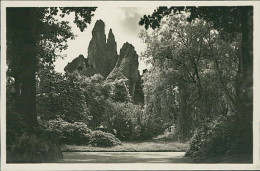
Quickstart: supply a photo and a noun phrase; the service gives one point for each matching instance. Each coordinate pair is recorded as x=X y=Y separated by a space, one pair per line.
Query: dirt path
x=124 y=157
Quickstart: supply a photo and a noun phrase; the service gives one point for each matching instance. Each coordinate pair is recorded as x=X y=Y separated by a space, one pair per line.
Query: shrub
x=76 y=133
x=120 y=91
x=14 y=127
x=218 y=137
x=127 y=121
x=61 y=96
x=103 y=139
x=67 y=133
x=116 y=118
x=14 y=122
x=33 y=148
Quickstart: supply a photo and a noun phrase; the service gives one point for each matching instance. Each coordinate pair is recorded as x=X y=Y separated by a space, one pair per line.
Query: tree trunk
x=184 y=120
x=24 y=52
x=244 y=87
x=244 y=94
x=27 y=105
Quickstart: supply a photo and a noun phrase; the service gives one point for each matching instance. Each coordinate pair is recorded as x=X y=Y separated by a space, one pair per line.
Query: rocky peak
x=98 y=40
x=98 y=28
x=128 y=51
x=111 y=51
x=80 y=64
x=103 y=59
x=127 y=65
x=102 y=54
x=111 y=38
x=77 y=62
x=111 y=43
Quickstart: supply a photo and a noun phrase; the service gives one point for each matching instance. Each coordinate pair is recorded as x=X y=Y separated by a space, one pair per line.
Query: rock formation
x=103 y=59
x=111 y=52
x=102 y=53
x=81 y=65
x=127 y=67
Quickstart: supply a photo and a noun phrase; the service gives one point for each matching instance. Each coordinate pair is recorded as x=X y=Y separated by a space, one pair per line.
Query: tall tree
x=229 y=21
x=34 y=36
x=184 y=56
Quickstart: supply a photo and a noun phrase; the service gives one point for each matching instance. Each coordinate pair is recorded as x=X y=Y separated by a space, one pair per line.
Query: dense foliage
x=120 y=92
x=71 y=97
x=27 y=150
x=103 y=139
x=66 y=133
x=35 y=36
x=76 y=133
x=102 y=105
x=199 y=82
x=60 y=96
x=194 y=84
x=218 y=137
x=127 y=121
x=91 y=100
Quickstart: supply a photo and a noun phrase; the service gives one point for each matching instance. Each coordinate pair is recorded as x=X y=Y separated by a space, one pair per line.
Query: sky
x=124 y=23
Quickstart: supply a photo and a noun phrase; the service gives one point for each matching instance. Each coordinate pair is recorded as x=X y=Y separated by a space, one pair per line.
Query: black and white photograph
x=151 y=83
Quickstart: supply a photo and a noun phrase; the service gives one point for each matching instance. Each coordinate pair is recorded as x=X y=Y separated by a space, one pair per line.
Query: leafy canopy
x=38 y=31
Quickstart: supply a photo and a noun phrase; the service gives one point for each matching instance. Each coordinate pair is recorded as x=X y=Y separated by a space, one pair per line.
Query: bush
x=116 y=118
x=61 y=96
x=103 y=139
x=127 y=121
x=15 y=127
x=33 y=148
x=76 y=133
x=67 y=133
x=120 y=91
x=218 y=137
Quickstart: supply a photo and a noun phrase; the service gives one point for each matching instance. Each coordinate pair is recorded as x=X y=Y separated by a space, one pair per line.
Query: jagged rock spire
x=102 y=55
x=103 y=59
x=127 y=65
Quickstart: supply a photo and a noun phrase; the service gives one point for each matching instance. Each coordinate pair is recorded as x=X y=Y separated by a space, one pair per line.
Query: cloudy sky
x=124 y=23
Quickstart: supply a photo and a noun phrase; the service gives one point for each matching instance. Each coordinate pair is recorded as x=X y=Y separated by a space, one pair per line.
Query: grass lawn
x=147 y=146
x=162 y=143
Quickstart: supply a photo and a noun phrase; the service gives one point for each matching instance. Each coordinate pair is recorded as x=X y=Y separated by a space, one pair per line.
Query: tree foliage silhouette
x=35 y=36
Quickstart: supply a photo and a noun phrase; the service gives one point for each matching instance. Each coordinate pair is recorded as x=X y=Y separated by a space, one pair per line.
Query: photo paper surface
x=149 y=85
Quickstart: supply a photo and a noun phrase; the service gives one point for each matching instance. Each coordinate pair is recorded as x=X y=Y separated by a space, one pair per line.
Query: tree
x=182 y=81
x=34 y=36
x=235 y=82
x=228 y=21
x=61 y=96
